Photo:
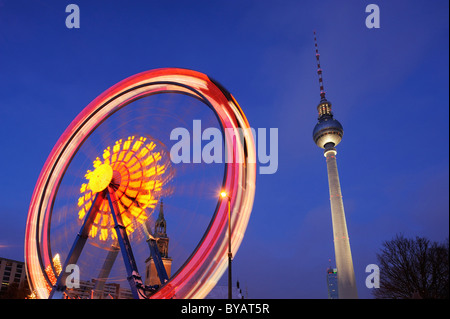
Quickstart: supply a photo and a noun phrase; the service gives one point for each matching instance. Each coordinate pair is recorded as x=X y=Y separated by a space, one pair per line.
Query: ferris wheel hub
x=100 y=178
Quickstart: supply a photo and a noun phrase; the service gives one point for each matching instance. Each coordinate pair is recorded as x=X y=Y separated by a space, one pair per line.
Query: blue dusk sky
x=388 y=86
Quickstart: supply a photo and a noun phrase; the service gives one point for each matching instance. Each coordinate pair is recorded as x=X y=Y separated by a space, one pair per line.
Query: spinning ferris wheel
x=109 y=206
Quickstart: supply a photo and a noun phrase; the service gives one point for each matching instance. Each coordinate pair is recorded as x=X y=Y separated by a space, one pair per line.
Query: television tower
x=327 y=134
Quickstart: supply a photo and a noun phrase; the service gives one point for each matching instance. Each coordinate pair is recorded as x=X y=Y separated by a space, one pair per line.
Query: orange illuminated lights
x=51 y=275
x=133 y=169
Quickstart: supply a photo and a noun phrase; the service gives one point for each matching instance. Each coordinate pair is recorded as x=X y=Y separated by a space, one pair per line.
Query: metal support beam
x=134 y=279
x=77 y=247
x=105 y=271
x=159 y=265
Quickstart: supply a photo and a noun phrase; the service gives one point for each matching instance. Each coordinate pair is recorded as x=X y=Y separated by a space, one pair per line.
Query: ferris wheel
x=111 y=203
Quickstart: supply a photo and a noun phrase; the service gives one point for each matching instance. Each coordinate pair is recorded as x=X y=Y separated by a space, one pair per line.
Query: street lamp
x=224 y=194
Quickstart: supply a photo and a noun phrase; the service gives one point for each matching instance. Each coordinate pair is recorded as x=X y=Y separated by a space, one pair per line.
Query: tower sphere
x=327 y=130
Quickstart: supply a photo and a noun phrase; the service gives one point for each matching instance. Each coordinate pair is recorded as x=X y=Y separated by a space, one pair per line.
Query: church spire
x=160 y=224
x=155 y=273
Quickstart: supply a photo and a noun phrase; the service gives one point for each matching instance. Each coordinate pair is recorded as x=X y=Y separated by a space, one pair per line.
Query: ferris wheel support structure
x=133 y=277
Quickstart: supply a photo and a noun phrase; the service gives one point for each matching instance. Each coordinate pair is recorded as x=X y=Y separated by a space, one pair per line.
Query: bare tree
x=413 y=268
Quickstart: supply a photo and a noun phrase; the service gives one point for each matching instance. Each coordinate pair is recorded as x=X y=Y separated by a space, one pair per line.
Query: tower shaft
x=344 y=263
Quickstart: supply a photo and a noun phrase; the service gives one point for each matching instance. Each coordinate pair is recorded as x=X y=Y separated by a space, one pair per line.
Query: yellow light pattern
x=51 y=275
x=134 y=169
x=100 y=178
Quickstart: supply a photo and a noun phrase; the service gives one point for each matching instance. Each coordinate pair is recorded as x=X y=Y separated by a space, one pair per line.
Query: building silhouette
x=87 y=290
x=332 y=283
x=12 y=275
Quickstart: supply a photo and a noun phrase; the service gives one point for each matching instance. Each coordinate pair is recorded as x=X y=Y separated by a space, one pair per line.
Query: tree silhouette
x=413 y=268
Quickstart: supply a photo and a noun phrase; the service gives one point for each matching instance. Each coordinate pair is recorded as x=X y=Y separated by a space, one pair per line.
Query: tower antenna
x=319 y=70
